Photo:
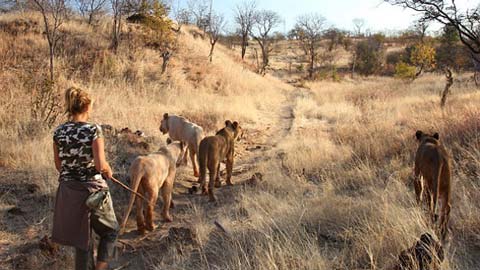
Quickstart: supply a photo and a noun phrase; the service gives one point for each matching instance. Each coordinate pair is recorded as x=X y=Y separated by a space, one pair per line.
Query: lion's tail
x=135 y=178
x=202 y=161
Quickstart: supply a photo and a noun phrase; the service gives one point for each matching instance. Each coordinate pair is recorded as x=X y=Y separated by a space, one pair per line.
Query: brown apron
x=71 y=223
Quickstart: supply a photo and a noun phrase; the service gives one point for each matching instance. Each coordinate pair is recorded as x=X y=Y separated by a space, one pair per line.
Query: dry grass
x=341 y=198
x=336 y=192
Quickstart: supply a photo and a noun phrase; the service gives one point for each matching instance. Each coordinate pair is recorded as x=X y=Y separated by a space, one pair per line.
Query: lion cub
x=216 y=149
x=149 y=174
x=433 y=163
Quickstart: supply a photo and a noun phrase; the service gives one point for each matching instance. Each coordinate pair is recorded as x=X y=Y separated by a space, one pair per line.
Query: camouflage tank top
x=74 y=141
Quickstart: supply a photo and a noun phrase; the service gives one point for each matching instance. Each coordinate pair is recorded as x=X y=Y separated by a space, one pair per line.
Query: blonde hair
x=76 y=101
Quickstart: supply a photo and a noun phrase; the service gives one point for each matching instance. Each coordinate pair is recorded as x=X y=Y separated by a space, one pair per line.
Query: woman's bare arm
x=101 y=164
x=56 y=158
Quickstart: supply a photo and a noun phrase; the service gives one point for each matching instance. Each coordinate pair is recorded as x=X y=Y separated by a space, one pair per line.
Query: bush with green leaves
x=369 y=55
x=405 y=71
x=451 y=52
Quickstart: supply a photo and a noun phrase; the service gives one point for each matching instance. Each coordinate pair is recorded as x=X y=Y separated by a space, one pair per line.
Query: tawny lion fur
x=148 y=175
x=216 y=149
x=433 y=163
x=180 y=129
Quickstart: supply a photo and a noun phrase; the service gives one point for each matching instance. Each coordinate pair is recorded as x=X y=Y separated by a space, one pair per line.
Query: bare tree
x=265 y=22
x=215 y=29
x=466 y=23
x=91 y=8
x=117 y=10
x=53 y=13
x=245 y=18
x=420 y=29
x=200 y=9
x=358 y=24
x=311 y=28
x=182 y=16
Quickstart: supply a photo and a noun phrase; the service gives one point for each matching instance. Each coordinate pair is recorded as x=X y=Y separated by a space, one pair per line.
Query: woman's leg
x=106 y=246
x=84 y=259
x=104 y=224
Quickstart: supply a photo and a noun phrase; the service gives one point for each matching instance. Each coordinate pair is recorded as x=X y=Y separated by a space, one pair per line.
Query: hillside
x=321 y=177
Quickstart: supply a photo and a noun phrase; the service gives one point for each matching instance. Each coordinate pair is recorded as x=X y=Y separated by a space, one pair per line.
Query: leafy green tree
x=369 y=55
x=450 y=52
x=422 y=58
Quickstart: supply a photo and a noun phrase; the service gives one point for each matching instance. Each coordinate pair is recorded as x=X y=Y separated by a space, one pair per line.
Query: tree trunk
x=449 y=78
x=52 y=56
x=419 y=72
x=256 y=59
x=212 y=47
x=114 y=35
x=312 y=63
x=263 y=47
x=354 y=60
x=165 y=58
x=244 y=46
x=116 y=31
x=90 y=18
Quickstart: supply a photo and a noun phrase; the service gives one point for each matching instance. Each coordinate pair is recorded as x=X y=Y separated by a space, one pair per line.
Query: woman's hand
x=107 y=172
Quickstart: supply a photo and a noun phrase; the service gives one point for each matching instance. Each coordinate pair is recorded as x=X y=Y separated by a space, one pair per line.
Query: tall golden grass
x=336 y=192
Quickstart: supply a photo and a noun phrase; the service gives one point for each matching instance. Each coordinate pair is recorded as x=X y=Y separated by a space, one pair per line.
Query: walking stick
x=134 y=192
x=129 y=189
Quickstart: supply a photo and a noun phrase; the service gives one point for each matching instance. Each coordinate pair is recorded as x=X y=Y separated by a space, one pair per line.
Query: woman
x=83 y=201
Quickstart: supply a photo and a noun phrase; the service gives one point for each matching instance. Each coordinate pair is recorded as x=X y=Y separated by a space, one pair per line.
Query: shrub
x=45 y=106
x=393 y=58
x=405 y=71
x=300 y=68
x=423 y=57
x=369 y=55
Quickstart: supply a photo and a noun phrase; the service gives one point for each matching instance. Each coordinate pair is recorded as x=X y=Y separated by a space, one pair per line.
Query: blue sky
x=378 y=15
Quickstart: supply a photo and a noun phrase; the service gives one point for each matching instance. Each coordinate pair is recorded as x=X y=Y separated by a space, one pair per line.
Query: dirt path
x=259 y=145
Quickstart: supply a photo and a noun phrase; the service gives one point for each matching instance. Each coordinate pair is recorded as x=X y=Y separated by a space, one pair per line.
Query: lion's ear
x=436 y=136
x=165 y=116
x=235 y=124
x=228 y=123
x=419 y=134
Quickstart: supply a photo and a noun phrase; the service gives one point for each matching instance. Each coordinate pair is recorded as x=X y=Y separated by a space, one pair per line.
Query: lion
x=216 y=149
x=149 y=174
x=180 y=129
x=433 y=163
